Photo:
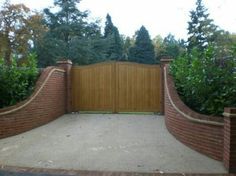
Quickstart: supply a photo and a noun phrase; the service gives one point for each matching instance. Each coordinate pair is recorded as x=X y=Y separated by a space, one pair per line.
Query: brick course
x=46 y=106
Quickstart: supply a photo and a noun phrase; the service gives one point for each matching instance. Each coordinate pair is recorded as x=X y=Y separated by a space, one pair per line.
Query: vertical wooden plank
x=73 y=88
x=114 y=87
x=161 y=84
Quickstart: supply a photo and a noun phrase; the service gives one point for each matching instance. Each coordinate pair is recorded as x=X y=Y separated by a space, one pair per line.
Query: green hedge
x=17 y=83
x=206 y=84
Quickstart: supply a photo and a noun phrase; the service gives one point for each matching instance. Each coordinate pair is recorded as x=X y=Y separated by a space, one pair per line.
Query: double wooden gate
x=117 y=87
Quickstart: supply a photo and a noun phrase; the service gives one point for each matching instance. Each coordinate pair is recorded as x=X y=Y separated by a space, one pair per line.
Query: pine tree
x=109 y=27
x=111 y=34
x=201 y=29
x=143 y=50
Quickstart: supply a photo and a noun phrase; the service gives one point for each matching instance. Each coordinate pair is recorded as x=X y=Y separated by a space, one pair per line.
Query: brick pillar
x=66 y=65
x=229 y=153
x=164 y=61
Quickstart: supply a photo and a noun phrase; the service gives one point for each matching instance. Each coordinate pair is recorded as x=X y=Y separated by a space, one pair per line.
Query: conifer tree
x=143 y=50
x=173 y=47
x=201 y=29
x=114 y=43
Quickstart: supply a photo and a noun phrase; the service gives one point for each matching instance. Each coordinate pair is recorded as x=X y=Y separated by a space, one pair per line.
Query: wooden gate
x=117 y=87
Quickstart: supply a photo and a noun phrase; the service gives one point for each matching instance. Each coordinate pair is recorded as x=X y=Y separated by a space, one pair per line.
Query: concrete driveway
x=105 y=142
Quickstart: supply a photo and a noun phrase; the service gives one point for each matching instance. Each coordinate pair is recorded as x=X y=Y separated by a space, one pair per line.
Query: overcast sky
x=160 y=17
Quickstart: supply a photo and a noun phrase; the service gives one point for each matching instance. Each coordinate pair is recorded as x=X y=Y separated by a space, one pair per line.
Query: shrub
x=206 y=84
x=17 y=83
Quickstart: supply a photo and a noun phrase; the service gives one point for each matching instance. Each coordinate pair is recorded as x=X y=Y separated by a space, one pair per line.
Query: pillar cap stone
x=230 y=112
x=64 y=62
x=166 y=59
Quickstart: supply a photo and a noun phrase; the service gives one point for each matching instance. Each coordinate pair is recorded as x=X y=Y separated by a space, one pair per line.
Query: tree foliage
x=205 y=77
x=173 y=47
x=201 y=29
x=69 y=35
x=143 y=49
x=113 y=38
x=128 y=42
x=17 y=28
x=159 y=47
x=207 y=85
x=17 y=83
x=169 y=46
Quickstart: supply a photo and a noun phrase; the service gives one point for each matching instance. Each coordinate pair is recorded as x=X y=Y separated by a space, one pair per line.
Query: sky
x=160 y=17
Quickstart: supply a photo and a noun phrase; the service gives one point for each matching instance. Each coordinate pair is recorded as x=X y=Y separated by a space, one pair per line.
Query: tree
x=36 y=28
x=173 y=47
x=70 y=34
x=158 y=47
x=14 y=33
x=109 y=27
x=127 y=44
x=113 y=38
x=223 y=44
x=201 y=29
x=143 y=50
x=17 y=84
x=233 y=37
x=206 y=85
x=203 y=33
x=168 y=46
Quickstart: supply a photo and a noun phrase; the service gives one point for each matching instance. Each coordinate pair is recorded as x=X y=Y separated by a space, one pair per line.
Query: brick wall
x=44 y=105
x=200 y=132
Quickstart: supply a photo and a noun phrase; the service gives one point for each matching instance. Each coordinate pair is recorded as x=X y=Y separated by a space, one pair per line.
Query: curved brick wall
x=44 y=105
x=200 y=132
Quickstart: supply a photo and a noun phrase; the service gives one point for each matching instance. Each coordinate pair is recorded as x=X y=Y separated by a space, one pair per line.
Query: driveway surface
x=105 y=142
